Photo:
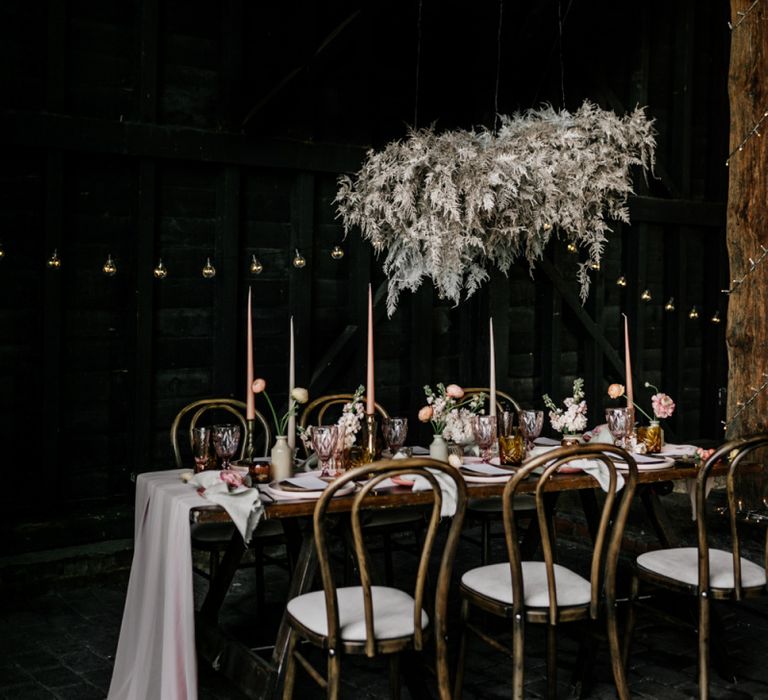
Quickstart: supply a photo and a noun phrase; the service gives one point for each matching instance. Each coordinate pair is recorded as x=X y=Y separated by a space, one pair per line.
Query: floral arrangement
x=352 y=415
x=447 y=206
x=662 y=405
x=448 y=414
x=298 y=396
x=573 y=418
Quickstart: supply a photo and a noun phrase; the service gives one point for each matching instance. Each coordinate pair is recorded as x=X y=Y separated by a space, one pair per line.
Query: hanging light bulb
x=109 y=268
x=337 y=253
x=209 y=270
x=572 y=248
x=670 y=305
x=546 y=227
x=621 y=282
x=646 y=295
x=595 y=265
x=716 y=317
x=256 y=267
x=54 y=262
x=693 y=314
x=161 y=271
x=298 y=260
x=2 y=251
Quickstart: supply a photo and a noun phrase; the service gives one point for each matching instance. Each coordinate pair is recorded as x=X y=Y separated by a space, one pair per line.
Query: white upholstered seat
x=495 y=581
x=682 y=564
x=392 y=613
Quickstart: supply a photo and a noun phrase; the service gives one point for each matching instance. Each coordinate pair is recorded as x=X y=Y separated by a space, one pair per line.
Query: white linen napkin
x=593 y=467
x=447 y=486
x=243 y=504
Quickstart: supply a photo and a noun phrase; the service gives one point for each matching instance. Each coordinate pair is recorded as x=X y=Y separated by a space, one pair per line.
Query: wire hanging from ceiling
x=418 y=66
x=498 y=69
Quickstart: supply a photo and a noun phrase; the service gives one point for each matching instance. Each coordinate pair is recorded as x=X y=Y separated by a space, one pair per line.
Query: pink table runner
x=155 y=657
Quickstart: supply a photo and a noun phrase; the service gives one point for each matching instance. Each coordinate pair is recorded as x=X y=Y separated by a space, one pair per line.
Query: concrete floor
x=60 y=643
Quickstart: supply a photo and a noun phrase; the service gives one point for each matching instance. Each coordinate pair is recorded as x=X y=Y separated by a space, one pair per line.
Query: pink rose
x=616 y=391
x=454 y=391
x=231 y=478
x=703 y=454
x=425 y=414
x=663 y=406
x=258 y=386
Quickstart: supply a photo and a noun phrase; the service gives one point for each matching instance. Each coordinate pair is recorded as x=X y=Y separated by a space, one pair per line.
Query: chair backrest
x=320 y=406
x=733 y=452
x=607 y=544
x=365 y=500
x=499 y=396
x=197 y=409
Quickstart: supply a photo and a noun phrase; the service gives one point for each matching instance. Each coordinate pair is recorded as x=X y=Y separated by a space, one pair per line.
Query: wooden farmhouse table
x=258 y=677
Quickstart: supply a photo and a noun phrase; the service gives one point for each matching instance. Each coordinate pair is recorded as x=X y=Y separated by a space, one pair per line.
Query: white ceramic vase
x=282 y=459
x=438 y=448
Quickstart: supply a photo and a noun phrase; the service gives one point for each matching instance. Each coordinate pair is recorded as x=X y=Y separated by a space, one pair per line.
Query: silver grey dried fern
x=446 y=206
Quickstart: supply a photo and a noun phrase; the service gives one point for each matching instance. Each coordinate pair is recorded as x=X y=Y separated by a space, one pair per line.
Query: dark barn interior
x=142 y=131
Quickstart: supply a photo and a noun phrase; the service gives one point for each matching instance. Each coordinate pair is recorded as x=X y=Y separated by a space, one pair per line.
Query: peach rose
x=425 y=414
x=616 y=391
x=454 y=391
x=258 y=386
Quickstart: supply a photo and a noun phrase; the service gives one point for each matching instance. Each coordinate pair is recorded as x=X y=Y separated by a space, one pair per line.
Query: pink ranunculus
x=703 y=454
x=616 y=391
x=258 y=386
x=663 y=405
x=425 y=414
x=231 y=478
x=454 y=391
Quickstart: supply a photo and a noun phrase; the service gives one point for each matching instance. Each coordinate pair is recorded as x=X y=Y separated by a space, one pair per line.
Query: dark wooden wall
x=186 y=130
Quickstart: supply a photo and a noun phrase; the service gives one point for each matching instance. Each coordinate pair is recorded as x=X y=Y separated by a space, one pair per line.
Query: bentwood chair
x=385 y=524
x=544 y=592
x=370 y=619
x=487 y=511
x=213 y=538
x=704 y=572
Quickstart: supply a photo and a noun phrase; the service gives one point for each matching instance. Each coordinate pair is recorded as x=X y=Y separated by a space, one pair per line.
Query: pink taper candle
x=250 y=411
x=628 y=366
x=370 y=400
x=492 y=385
x=291 y=387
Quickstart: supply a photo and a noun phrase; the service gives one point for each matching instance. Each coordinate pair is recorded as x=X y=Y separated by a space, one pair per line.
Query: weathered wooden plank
x=148 y=43
x=299 y=280
x=57 y=131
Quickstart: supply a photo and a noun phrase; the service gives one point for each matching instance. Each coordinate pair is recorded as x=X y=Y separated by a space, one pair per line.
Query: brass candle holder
x=371 y=446
x=250 y=431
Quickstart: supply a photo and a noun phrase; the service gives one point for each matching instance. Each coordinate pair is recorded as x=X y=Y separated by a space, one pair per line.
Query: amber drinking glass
x=511 y=439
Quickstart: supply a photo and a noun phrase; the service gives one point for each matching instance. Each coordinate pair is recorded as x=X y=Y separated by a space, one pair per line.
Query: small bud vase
x=653 y=437
x=282 y=459
x=438 y=448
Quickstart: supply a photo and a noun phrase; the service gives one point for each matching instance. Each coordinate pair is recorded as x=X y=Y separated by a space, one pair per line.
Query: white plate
x=274 y=491
x=665 y=463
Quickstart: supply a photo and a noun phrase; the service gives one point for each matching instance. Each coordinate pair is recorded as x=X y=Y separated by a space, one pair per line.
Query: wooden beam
x=57 y=65
x=148 y=44
x=231 y=71
x=160 y=141
x=595 y=380
x=549 y=327
x=227 y=263
x=300 y=280
x=571 y=298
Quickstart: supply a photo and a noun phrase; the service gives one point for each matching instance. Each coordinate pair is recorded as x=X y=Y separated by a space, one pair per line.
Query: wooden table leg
x=658 y=517
x=221 y=582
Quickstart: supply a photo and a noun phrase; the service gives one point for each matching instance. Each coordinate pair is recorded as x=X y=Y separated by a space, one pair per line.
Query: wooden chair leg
x=617 y=658
x=518 y=661
x=394 y=676
x=485 y=548
x=629 y=627
x=704 y=624
x=581 y=679
x=290 y=667
x=551 y=662
x=464 y=617
x=334 y=677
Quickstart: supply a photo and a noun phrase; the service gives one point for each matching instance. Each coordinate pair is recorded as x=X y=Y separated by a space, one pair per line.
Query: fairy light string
x=743 y=405
x=753 y=265
x=743 y=15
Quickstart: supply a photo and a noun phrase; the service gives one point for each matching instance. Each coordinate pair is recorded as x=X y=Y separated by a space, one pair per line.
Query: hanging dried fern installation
x=446 y=206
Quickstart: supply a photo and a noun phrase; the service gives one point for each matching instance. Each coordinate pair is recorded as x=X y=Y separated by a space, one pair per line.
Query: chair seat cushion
x=520 y=502
x=682 y=564
x=495 y=582
x=392 y=613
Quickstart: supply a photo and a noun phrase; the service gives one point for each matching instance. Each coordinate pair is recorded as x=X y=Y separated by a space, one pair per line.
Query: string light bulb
x=109 y=268
x=572 y=248
x=161 y=271
x=693 y=314
x=299 y=260
x=621 y=281
x=646 y=295
x=209 y=271
x=54 y=262
x=595 y=265
x=256 y=267
x=2 y=251
x=670 y=305
x=716 y=317
x=337 y=253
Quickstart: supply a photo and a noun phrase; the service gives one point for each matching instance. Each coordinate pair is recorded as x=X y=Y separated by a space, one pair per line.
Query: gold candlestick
x=250 y=430
x=371 y=447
